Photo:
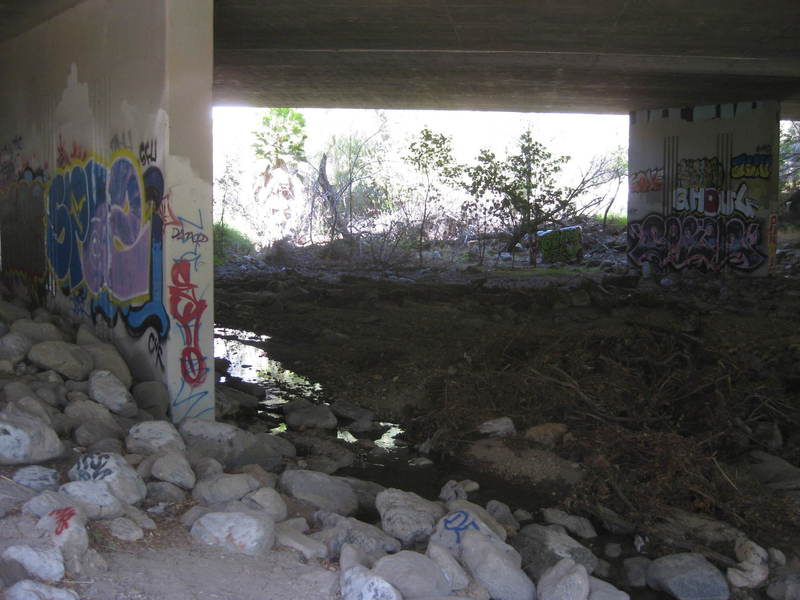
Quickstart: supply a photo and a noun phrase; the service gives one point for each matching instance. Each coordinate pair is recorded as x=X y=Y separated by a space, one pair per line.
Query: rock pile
x=68 y=399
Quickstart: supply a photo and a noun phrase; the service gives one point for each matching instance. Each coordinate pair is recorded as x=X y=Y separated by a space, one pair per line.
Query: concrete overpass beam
x=105 y=180
x=704 y=187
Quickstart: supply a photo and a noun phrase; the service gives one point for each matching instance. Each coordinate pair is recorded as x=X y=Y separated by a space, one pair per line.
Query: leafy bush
x=228 y=242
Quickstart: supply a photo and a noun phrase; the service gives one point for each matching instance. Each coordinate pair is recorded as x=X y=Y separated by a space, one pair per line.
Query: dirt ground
x=665 y=384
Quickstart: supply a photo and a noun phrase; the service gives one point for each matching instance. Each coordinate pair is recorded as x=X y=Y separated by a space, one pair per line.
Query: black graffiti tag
x=93 y=467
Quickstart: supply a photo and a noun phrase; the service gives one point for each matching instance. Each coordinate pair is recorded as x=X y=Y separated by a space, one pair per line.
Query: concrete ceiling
x=605 y=56
x=17 y=16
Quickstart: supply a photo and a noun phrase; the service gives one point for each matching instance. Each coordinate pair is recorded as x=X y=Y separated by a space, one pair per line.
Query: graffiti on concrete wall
x=751 y=166
x=700 y=173
x=561 y=245
x=713 y=201
x=649 y=180
x=707 y=243
x=104 y=239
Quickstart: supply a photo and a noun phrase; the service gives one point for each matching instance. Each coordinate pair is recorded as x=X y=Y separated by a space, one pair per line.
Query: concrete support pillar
x=704 y=187
x=105 y=129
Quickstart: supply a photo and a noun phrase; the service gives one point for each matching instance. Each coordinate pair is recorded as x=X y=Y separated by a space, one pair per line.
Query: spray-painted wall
x=105 y=170
x=704 y=187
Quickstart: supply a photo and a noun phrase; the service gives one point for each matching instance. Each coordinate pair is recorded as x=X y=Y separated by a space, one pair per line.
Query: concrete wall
x=704 y=187
x=105 y=180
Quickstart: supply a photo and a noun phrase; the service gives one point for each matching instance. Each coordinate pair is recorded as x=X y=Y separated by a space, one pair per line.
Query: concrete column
x=105 y=124
x=704 y=187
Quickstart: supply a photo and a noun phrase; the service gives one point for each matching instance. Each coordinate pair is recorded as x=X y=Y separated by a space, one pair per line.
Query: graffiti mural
x=706 y=243
x=561 y=245
x=700 y=173
x=649 y=180
x=712 y=201
x=751 y=166
x=104 y=239
x=187 y=309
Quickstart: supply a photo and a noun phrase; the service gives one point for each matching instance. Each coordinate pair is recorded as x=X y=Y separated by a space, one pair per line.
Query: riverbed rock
x=267 y=500
x=174 y=468
x=235 y=532
x=27 y=439
x=291 y=537
x=496 y=566
x=359 y=583
x=542 y=547
x=66 y=359
x=164 y=492
x=602 y=590
x=123 y=481
x=13 y=348
x=107 y=358
x=450 y=530
x=533 y=464
x=315 y=416
x=37 y=477
x=501 y=427
x=455 y=574
x=152 y=437
x=565 y=580
x=221 y=441
x=579 y=526
x=28 y=589
x=338 y=530
x=94 y=498
x=152 y=396
x=320 y=491
x=480 y=513
x=19 y=562
x=105 y=388
x=37 y=332
x=223 y=488
x=407 y=516
x=687 y=576
x=13 y=495
x=10 y=312
x=412 y=574
x=546 y=434
x=366 y=491
x=126 y=530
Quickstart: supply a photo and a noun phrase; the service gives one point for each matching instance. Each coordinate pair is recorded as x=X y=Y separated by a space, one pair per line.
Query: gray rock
x=139 y=517
x=501 y=513
x=218 y=440
x=224 y=488
x=612 y=550
x=407 y=516
x=163 y=491
x=565 y=580
x=123 y=481
x=456 y=577
x=602 y=590
x=17 y=389
x=45 y=564
x=350 y=556
x=236 y=532
x=687 y=576
x=94 y=498
x=106 y=389
x=451 y=528
x=320 y=491
x=109 y=445
x=322 y=453
x=207 y=468
x=265 y=450
x=319 y=416
x=14 y=347
x=501 y=427
x=496 y=566
x=784 y=586
x=542 y=547
x=412 y=574
x=33 y=590
x=25 y=440
x=747 y=575
x=479 y=513
x=774 y=471
x=174 y=468
x=152 y=437
x=82 y=410
x=286 y=535
x=195 y=512
x=107 y=358
x=126 y=530
x=37 y=332
x=37 y=478
x=452 y=490
x=338 y=531
x=66 y=359
x=366 y=491
x=267 y=500
x=66 y=529
x=359 y=583
x=682 y=524
x=579 y=526
x=612 y=522
x=13 y=495
x=152 y=396
x=46 y=502
x=10 y=312
x=28 y=407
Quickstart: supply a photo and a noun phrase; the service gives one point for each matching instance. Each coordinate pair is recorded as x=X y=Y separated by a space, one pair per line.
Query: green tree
x=521 y=191
x=789 y=171
x=227 y=190
x=281 y=139
x=432 y=155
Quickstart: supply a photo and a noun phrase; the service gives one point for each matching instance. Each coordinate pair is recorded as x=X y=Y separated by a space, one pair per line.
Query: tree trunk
x=331 y=198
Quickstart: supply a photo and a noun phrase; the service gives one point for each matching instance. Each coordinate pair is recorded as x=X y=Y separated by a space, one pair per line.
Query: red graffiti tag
x=188 y=311
x=62 y=516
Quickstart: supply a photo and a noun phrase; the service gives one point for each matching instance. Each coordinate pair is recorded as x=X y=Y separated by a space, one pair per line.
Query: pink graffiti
x=63 y=517
x=188 y=309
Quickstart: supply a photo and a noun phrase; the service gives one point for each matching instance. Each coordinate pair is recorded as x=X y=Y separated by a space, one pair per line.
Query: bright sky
x=580 y=136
